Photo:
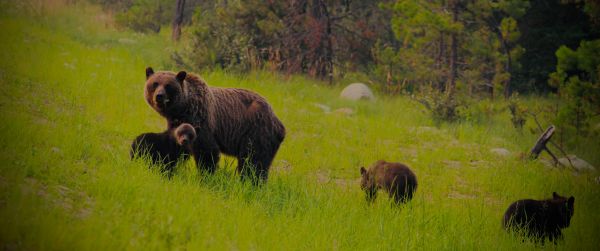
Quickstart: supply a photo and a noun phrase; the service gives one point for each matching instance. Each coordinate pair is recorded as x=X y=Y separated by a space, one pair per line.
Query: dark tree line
x=477 y=47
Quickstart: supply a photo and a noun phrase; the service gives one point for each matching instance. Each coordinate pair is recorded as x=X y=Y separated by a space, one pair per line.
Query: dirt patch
x=325 y=177
x=412 y=152
x=458 y=195
x=282 y=166
x=452 y=164
x=75 y=202
x=479 y=163
x=347 y=183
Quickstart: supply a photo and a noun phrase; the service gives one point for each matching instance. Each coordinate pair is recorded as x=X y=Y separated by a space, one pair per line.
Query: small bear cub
x=540 y=219
x=395 y=178
x=185 y=135
x=166 y=148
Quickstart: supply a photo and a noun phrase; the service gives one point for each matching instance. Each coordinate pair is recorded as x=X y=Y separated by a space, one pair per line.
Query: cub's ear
x=571 y=201
x=555 y=195
x=149 y=72
x=181 y=76
x=363 y=171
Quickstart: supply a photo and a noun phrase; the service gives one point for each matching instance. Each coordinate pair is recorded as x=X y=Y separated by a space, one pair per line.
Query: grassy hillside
x=71 y=101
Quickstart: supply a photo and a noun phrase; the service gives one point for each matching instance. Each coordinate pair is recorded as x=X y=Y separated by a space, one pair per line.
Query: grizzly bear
x=161 y=148
x=231 y=121
x=540 y=219
x=395 y=178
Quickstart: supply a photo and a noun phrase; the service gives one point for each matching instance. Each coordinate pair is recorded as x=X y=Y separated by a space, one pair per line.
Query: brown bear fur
x=540 y=219
x=161 y=148
x=232 y=121
x=395 y=178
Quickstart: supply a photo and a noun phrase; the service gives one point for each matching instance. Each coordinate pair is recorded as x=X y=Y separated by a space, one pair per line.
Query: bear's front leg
x=206 y=153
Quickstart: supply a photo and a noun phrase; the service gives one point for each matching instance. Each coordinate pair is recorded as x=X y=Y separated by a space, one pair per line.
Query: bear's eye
x=154 y=85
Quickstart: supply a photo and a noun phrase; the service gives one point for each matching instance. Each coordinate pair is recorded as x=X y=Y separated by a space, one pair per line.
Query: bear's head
x=185 y=134
x=163 y=90
x=367 y=183
x=565 y=208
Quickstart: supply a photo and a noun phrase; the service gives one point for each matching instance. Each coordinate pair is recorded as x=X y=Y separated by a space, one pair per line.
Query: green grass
x=71 y=101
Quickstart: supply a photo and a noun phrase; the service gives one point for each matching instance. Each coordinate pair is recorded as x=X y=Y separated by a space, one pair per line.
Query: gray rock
x=357 y=91
x=326 y=109
x=579 y=164
x=500 y=151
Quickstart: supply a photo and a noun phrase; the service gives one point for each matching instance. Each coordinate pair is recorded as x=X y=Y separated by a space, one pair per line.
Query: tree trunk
x=440 y=64
x=507 y=68
x=322 y=55
x=453 y=54
x=329 y=49
x=178 y=20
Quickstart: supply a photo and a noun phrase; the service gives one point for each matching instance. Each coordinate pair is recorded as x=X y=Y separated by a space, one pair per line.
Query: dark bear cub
x=395 y=178
x=540 y=219
x=163 y=148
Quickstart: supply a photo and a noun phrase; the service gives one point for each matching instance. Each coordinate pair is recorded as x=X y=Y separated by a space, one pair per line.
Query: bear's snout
x=161 y=98
x=185 y=140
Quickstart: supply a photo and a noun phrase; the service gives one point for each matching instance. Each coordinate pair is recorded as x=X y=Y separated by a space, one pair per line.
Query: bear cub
x=185 y=135
x=164 y=148
x=540 y=219
x=395 y=178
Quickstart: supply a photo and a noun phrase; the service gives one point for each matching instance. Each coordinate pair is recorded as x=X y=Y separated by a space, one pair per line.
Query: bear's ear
x=363 y=171
x=555 y=195
x=571 y=201
x=181 y=76
x=149 y=72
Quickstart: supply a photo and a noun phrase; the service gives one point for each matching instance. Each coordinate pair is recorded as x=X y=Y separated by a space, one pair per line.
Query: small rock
x=579 y=164
x=326 y=109
x=344 y=110
x=500 y=151
x=357 y=91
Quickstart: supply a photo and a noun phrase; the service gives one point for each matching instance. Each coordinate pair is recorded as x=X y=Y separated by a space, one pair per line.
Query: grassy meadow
x=71 y=101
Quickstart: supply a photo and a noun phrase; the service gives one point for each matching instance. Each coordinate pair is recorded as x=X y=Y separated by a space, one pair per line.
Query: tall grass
x=71 y=102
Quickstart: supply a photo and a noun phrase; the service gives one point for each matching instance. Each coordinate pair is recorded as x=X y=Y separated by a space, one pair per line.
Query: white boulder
x=357 y=91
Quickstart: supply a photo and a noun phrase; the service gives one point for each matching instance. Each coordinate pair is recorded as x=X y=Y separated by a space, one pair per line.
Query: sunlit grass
x=71 y=102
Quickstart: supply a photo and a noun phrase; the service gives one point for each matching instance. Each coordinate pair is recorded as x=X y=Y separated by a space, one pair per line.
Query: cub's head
x=163 y=90
x=565 y=207
x=185 y=134
x=367 y=183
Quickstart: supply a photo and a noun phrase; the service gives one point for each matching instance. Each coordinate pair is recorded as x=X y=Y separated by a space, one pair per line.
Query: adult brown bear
x=232 y=121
